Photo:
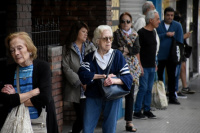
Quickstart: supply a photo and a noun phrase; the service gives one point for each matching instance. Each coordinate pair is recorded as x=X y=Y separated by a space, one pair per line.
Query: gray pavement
x=184 y=118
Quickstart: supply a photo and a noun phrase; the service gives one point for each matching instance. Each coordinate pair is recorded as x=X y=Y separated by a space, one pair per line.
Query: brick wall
x=93 y=12
x=19 y=16
x=55 y=58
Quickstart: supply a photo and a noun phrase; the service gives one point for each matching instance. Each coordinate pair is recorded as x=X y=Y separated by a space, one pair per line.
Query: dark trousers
x=78 y=124
x=129 y=101
x=171 y=69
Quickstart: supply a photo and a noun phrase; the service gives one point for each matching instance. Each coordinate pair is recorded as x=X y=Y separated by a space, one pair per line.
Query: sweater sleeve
x=125 y=75
x=179 y=35
x=11 y=100
x=42 y=80
x=70 y=75
x=84 y=72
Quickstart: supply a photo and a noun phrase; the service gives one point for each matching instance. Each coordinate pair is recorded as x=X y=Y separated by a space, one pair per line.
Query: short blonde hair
x=24 y=36
x=98 y=31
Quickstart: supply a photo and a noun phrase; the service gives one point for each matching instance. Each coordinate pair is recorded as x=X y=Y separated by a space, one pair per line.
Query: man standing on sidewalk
x=148 y=46
x=167 y=30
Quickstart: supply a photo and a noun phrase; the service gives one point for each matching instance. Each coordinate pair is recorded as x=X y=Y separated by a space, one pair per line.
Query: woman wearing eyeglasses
x=94 y=67
x=127 y=41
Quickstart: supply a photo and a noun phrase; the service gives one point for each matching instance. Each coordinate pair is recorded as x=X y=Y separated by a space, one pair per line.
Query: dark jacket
x=41 y=79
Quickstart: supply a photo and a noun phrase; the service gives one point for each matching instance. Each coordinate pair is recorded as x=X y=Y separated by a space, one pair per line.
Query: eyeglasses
x=123 y=21
x=106 y=38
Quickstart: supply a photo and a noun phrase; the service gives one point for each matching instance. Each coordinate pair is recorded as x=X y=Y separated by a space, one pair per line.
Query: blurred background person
x=127 y=41
x=168 y=30
x=76 y=48
x=181 y=68
x=148 y=48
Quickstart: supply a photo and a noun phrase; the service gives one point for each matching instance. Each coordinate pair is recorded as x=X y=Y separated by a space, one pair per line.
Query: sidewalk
x=184 y=118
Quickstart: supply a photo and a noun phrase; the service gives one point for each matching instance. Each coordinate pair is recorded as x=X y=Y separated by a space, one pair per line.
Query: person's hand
x=142 y=70
x=8 y=89
x=187 y=35
x=156 y=67
x=170 y=34
x=109 y=81
x=111 y=75
x=84 y=87
x=35 y=92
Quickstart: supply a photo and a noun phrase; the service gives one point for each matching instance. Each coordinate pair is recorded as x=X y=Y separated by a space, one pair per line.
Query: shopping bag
x=159 y=99
x=18 y=121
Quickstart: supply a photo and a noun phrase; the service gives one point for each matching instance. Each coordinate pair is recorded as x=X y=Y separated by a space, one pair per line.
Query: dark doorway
x=3 y=6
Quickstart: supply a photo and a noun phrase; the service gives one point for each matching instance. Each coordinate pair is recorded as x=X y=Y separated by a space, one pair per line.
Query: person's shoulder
x=140 y=31
x=118 y=53
x=40 y=63
x=176 y=23
x=90 y=45
x=140 y=17
x=90 y=55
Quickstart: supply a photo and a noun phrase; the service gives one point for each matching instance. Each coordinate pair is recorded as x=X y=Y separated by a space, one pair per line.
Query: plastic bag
x=18 y=121
x=159 y=99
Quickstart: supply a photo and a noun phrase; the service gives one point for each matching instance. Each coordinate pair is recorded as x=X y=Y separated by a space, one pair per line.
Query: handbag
x=158 y=99
x=187 y=50
x=38 y=124
x=18 y=121
x=114 y=91
x=176 y=51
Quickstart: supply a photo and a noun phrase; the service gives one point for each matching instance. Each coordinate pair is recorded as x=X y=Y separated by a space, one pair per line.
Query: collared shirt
x=103 y=62
x=127 y=32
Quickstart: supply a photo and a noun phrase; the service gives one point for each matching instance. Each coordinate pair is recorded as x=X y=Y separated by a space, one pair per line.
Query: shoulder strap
x=17 y=79
x=111 y=61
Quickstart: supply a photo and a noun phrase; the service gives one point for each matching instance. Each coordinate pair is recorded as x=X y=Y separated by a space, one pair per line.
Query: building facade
x=23 y=15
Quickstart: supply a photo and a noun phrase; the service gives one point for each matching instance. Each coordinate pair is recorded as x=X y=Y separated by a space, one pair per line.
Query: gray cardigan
x=70 y=66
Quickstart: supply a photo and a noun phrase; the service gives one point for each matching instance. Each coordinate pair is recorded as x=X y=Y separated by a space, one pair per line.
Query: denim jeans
x=145 y=88
x=92 y=111
x=177 y=74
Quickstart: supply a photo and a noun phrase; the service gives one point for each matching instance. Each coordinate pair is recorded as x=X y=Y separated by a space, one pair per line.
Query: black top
x=148 y=46
x=42 y=79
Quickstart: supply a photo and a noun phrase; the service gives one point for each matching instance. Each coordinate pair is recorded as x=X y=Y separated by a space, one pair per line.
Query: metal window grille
x=44 y=35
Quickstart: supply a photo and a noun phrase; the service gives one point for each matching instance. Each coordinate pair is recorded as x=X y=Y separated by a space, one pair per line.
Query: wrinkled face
x=168 y=17
x=125 y=22
x=155 y=22
x=19 y=52
x=105 y=41
x=82 y=34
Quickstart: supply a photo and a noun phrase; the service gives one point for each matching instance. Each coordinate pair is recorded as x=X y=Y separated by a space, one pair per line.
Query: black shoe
x=149 y=114
x=188 y=90
x=174 y=101
x=139 y=115
x=181 y=95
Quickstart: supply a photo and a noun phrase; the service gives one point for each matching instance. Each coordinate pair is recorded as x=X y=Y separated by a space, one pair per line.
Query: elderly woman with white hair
x=93 y=68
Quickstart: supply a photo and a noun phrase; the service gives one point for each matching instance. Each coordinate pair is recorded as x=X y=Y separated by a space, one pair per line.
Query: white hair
x=98 y=31
x=146 y=6
x=150 y=15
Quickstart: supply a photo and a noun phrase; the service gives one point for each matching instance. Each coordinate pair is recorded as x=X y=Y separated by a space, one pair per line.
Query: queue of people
x=85 y=61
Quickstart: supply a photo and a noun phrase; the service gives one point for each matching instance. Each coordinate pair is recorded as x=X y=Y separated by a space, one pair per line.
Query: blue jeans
x=177 y=74
x=145 y=88
x=92 y=111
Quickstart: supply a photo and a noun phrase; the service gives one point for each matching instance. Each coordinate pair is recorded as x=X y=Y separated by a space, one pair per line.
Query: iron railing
x=44 y=35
